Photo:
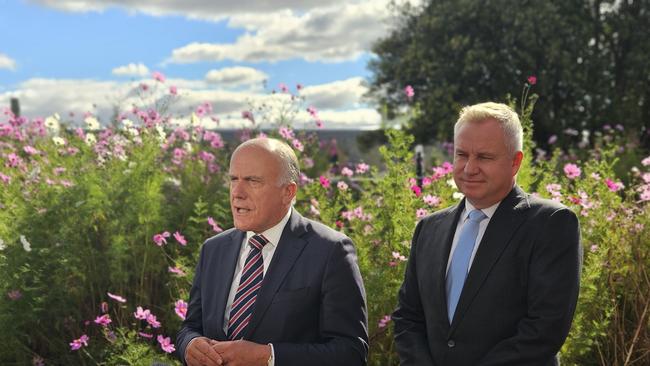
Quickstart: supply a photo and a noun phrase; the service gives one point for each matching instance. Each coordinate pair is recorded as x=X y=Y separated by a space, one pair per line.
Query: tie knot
x=258 y=241
x=476 y=215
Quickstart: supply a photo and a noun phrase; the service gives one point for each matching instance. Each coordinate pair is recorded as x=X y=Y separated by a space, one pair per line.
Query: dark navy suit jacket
x=311 y=305
x=518 y=299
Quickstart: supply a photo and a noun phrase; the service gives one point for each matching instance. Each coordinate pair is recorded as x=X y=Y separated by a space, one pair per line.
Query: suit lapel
x=223 y=276
x=447 y=230
x=505 y=222
x=289 y=248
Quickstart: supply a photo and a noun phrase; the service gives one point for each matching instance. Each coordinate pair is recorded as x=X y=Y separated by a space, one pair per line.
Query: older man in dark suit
x=493 y=280
x=278 y=289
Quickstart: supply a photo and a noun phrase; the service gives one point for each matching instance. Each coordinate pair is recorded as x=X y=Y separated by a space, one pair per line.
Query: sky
x=75 y=58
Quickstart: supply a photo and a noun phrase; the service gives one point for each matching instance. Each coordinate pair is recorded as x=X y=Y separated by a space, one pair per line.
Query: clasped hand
x=208 y=352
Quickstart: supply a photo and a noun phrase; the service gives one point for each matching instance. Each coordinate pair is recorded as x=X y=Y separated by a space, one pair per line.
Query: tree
x=589 y=57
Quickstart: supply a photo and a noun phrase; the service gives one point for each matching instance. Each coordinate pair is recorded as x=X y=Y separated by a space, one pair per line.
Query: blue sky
x=62 y=56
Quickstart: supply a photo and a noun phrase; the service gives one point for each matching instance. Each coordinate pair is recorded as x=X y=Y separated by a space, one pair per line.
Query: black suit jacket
x=518 y=299
x=311 y=305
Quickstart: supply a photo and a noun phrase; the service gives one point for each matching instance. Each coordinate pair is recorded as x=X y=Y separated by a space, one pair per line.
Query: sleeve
x=553 y=286
x=408 y=318
x=192 y=326
x=343 y=317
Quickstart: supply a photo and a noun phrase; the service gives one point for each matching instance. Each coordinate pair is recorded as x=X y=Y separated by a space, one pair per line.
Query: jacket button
x=451 y=343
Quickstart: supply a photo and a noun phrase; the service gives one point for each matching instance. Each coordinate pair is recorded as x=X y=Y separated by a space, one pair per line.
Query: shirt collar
x=274 y=233
x=488 y=211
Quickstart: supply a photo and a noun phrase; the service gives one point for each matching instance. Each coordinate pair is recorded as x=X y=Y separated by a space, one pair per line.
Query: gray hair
x=507 y=118
x=284 y=153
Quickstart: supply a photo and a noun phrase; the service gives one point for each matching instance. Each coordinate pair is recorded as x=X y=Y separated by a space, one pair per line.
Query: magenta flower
x=286 y=133
x=430 y=200
x=117 y=298
x=312 y=111
x=408 y=90
x=532 y=80
x=158 y=76
x=78 y=343
x=103 y=320
x=176 y=271
x=173 y=90
x=166 y=344
x=297 y=145
x=614 y=186
x=214 y=225
x=572 y=171
x=180 y=239
x=416 y=190
x=181 y=309
x=161 y=239
x=383 y=322
x=324 y=181
x=141 y=314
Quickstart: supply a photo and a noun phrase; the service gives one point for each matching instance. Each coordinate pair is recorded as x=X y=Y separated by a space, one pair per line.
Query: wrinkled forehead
x=254 y=158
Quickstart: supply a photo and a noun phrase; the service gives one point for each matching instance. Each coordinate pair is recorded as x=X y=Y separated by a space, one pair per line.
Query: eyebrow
x=248 y=177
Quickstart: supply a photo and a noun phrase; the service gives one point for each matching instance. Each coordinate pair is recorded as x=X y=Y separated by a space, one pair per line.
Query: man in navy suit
x=277 y=289
x=493 y=280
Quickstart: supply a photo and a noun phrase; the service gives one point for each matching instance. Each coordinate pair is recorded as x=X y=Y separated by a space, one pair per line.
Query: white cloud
x=131 y=70
x=329 y=34
x=339 y=103
x=229 y=77
x=6 y=62
x=339 y=94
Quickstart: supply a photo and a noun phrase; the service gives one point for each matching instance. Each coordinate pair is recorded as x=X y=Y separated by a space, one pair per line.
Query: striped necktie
x=249 y=285
x=460 y=260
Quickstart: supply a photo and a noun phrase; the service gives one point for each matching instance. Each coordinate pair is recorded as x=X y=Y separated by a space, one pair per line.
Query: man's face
x=257 y=201
x=484 y=168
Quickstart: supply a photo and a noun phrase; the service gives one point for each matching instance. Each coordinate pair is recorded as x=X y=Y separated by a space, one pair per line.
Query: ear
x=516 y=162
x=289 y=193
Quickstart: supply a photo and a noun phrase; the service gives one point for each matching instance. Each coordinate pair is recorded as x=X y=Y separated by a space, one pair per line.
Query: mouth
x=241 y=210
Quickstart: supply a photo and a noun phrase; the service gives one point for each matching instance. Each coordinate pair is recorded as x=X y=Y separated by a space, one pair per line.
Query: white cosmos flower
x=90 y=139
x=58 y=141
x=92 y=123
x=26 y=245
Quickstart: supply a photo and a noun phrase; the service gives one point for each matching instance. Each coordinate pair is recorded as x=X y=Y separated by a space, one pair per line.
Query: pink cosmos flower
x=298 y=86
x=181 y=309
x=646 y=161
x=408 y=90
x=283 y=88
x=383 y=322
x=416 y=190
x=613 y=186
x=341 y=185
x=532 y=80
x=145 y=335
x=103 y=320
x=173 y=90
x=166 y=344
x=141 y=314
x=286 y=133
x=552 y=139
x=420 y=213
x=5 y=178
x=180 y=239
x=645 y=194
x=593 y=248
x=161 y=239
x=430 y=200
x=151 y=319
x=572 y=171
x=30 y=150
x=362 y=168
x=104 y=307
x=176 y=271
x=297 y=145
x=347 y=172
x=14 y=294
x=324 y=181
x=78 y=343
x=117 y=298
x=214 y=225
x=158 y=76
x=248 y=115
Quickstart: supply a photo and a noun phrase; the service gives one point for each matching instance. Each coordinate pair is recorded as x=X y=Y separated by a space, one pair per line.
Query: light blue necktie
x=460 y=261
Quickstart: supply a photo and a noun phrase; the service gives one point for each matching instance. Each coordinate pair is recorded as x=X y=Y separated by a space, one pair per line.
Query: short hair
x=507 y=118
x=284 y=153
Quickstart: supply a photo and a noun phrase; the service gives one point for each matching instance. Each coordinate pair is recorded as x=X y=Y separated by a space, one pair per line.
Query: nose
x=471 y=166
x=237 y=190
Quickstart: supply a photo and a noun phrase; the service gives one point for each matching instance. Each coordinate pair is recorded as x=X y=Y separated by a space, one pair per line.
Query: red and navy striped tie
x=249 y=284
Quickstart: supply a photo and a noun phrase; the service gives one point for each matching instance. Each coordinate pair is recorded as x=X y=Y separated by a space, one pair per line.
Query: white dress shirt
x=489 y=212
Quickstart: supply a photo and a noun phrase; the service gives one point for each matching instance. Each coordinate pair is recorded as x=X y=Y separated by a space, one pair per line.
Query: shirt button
x=451 y=343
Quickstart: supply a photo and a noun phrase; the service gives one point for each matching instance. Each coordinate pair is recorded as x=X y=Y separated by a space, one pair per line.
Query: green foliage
x=590 y=59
